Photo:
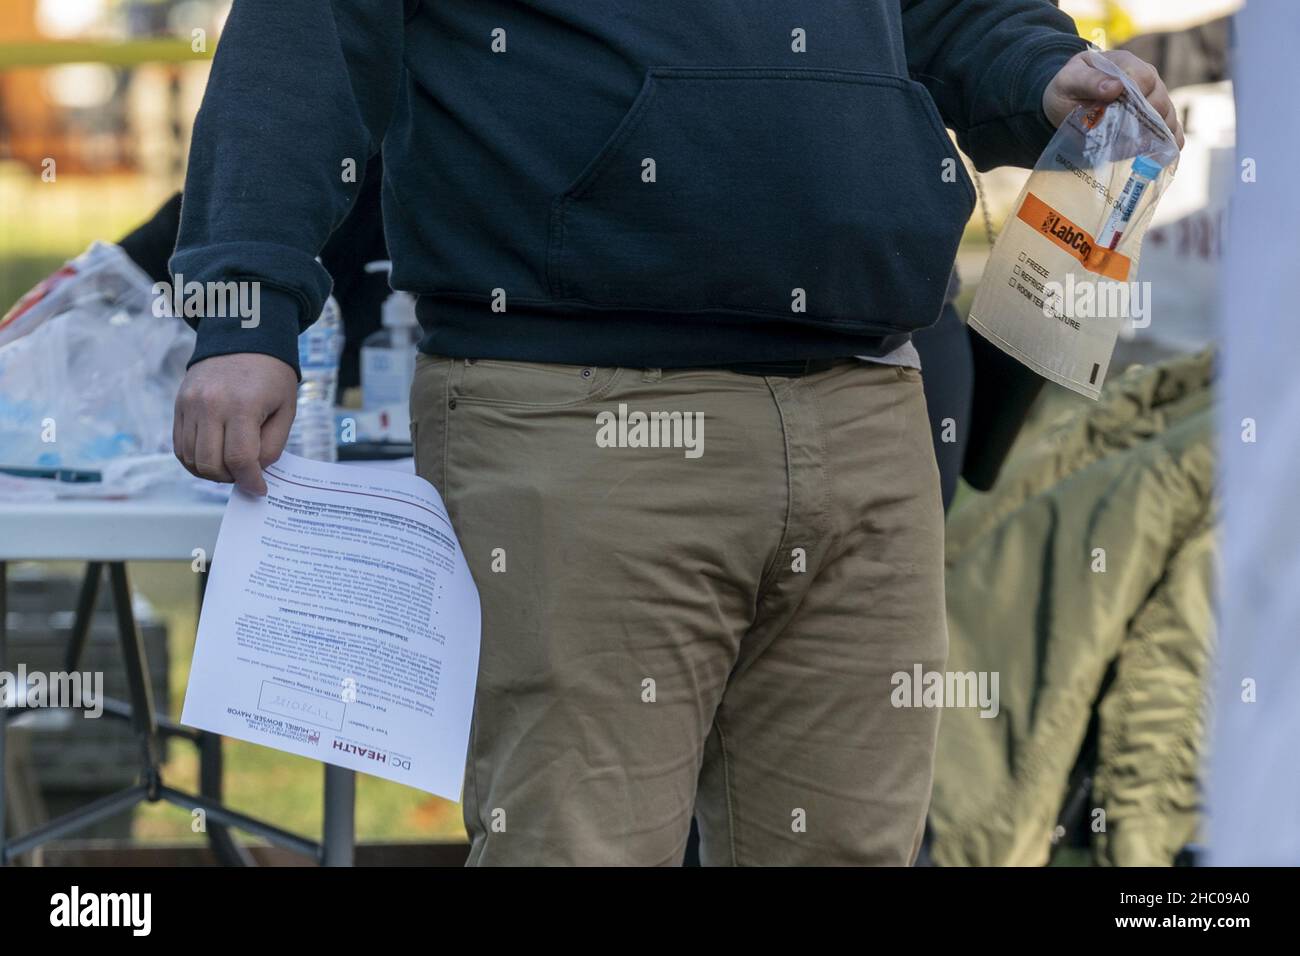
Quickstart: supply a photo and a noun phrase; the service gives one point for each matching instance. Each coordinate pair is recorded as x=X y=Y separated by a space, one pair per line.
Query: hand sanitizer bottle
x=388 y=356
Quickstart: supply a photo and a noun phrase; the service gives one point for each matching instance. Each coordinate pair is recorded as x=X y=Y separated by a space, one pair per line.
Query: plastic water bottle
x=319 y=349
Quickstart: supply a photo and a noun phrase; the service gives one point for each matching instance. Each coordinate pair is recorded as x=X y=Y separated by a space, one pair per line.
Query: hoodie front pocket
x=822 y=196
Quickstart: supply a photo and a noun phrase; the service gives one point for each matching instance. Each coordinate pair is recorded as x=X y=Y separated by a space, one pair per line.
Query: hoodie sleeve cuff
x=271 y=330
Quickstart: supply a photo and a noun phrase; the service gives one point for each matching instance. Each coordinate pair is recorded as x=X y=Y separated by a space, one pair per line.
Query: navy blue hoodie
x=615 y=182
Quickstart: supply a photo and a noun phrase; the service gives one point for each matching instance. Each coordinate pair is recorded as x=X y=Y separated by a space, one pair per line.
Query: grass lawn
x=45 y=224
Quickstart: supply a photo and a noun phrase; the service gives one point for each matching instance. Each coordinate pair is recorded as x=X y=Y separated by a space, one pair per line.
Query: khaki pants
x=707 y=626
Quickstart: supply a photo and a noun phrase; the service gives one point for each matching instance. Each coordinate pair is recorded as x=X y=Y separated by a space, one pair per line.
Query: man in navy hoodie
x=668 y=256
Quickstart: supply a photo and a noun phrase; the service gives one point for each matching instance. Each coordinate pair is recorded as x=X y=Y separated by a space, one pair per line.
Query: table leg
x=143 y=719
x=85 y=614
x=339 y=837
x=336 y=849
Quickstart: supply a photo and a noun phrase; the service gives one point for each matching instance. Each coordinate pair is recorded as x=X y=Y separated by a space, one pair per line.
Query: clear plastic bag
x=91 y=374
x=1059 y=283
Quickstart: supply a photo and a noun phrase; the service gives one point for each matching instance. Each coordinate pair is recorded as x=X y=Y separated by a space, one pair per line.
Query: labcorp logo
x=76 y=909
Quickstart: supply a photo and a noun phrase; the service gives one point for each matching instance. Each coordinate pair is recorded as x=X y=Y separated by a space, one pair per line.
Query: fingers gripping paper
x=1059 y=283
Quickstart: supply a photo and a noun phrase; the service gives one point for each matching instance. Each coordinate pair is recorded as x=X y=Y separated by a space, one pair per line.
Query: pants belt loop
x=652 y=374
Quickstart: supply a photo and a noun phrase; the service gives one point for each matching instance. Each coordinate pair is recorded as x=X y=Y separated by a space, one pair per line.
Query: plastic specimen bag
x=1059 y=284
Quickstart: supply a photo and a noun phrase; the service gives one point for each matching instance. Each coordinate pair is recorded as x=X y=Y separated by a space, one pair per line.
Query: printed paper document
x=341 y=623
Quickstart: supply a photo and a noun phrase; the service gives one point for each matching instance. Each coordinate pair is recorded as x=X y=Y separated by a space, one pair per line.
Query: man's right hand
x=232 y=417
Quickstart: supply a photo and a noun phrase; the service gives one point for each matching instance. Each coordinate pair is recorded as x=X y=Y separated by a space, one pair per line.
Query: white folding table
x=106 y=534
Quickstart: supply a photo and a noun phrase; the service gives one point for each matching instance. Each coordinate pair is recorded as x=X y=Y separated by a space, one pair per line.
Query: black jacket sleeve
x=300 y=96
x=986 y=63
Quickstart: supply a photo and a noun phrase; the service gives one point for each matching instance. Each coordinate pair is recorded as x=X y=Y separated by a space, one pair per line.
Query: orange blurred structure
x=34 y=127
